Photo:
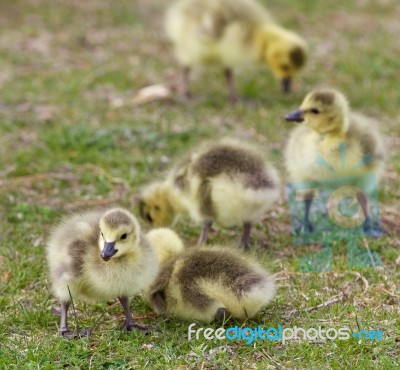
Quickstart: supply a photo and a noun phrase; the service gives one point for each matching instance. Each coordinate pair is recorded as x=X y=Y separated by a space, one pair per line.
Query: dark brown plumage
x=233 y=161
x=325 y=97
x=116 y=219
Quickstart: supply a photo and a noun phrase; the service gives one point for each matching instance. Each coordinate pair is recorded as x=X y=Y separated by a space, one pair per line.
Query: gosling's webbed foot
x=187 y=96
x=85 y=333
x=68 y=334
x=233 y=98
x=308 y=227
x=305 y=229
x=372 y=230
x=129 y=325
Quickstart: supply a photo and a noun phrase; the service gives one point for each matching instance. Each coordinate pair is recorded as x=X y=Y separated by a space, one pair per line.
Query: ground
x=72 y=136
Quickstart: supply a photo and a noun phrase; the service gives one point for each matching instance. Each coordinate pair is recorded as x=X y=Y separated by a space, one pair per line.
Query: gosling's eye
x=102 y=235
x=124 y=236
x=314 y=111
x=157 y=208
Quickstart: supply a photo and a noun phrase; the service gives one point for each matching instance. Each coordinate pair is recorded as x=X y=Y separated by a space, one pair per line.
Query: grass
x=66 y=143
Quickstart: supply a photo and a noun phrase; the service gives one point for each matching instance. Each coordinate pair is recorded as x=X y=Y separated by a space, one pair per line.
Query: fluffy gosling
x=229 y=34
x=333 y=141
x=210 y=283
x=166 y=244
x=225 y=181
x=98 y=256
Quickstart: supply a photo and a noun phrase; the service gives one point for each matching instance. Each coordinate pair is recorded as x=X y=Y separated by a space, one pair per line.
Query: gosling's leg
x=222 y=314
x=363 y=201
x=204 y=232
x=233 y=98
x=185 y=83
x=308 y=227
x=64 y=331
x=287 y=85
x=367 y=225
x=246 y=235
x=129 y=323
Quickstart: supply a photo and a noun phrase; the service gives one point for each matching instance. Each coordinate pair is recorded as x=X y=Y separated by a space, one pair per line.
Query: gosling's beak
x=287 y=85
x=108 y=251
x=295 y=116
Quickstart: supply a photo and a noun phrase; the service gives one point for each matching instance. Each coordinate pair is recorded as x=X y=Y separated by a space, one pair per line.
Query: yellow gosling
x=333 y=141
x=227 y=182
x=98 y=256
x=232 y=34
x=211 y=283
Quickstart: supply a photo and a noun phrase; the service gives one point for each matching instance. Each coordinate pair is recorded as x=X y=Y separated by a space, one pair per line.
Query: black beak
x=295 y=116
x=108 y=251
x=287 y=85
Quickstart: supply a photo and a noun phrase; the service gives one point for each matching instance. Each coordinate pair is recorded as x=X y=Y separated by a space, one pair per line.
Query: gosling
x=99 y=256
x=333 y=141
x=210 y=283
x=230 y=34
x=225 y=181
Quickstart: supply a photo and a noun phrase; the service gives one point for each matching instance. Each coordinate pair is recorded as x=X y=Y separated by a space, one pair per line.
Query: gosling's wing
x=70 y=242
x=365 y=131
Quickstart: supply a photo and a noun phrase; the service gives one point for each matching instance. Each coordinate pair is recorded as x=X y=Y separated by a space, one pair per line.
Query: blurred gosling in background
x=330 y=141
x=99 y=256
x=229 y=34
x=225 y=181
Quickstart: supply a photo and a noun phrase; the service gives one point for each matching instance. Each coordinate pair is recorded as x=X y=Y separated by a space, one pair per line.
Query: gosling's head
x=155 y=206
x=286 y=55
x=119 y=233
x=324 y=110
